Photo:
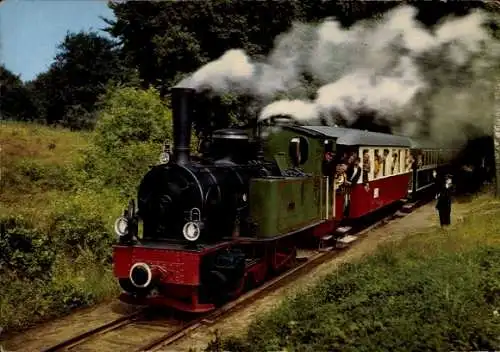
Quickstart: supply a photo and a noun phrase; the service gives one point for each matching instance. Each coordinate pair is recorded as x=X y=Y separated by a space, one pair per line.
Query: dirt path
x=55 y=331
x=58 y=330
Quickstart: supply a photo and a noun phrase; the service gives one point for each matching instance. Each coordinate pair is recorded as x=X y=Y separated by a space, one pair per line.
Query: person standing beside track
x=443 y=204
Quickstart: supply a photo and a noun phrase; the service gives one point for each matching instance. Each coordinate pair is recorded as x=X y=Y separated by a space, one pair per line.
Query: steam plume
x=435 y=83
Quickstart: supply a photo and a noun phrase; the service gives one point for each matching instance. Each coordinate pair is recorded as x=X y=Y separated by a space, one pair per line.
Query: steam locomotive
x=205 y=229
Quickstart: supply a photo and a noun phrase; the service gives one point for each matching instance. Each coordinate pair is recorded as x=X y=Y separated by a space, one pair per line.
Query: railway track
x=130 y=332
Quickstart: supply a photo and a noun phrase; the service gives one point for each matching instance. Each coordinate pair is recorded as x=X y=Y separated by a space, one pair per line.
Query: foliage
x=16 y=102
x=130 y=115
x=431 y=291
x=133 y=124
x=25 y=302
x=177 y=37
x=78 y=225
x=25 y=250
x=39 y=280
x=68 y=91
x=55 y=235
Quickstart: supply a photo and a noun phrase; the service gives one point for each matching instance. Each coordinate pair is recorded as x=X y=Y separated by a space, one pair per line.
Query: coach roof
x=424 y=144
x=348 y=136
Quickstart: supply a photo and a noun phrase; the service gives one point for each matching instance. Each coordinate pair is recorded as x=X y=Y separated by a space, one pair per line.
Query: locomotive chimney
x=182 y=110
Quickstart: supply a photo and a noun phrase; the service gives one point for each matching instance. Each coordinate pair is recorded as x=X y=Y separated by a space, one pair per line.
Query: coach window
x=394 y=162
x=386 y=162
x=402 y=155
x=298 y=150
x=409 y=160
x=366 y=165
x=378 y=163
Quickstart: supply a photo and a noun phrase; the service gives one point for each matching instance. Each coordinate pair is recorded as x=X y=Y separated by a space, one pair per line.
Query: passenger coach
x=385 y=169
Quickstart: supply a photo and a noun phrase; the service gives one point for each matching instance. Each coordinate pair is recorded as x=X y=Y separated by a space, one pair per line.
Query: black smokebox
x=182 y=110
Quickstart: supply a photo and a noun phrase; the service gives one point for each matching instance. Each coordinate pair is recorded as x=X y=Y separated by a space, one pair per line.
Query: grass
x=56 y=231
x=435 y=290
x=36 y=163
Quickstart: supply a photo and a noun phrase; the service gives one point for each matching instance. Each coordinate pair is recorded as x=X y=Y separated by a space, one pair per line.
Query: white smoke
x=365 y=89
x=233 y=70
x=301 y=110
x=394 y=66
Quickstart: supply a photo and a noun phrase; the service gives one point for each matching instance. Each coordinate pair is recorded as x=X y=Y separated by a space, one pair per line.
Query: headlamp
x=191 y=231
x=121 y=226
x=165 y=157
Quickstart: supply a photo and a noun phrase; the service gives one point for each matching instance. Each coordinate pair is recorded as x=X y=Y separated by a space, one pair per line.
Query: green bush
x=121 y=169
x=131 y=128
x=25 y=302
x=25 y=251
x=29 y=173
x=78 y=225
x=130 y=115
x=47 y=276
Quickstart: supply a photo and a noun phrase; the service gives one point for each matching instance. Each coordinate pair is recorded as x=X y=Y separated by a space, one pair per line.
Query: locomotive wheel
x=220 y=290
x=238 y=289
x=249 y=282
x=217 y=287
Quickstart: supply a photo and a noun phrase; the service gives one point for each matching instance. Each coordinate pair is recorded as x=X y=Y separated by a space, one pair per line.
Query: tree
x=166 y=40
x=15 y=99
x=68 y=91
x=129 y=115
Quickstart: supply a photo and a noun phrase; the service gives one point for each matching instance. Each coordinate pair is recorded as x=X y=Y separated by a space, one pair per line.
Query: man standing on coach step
x=443 y=204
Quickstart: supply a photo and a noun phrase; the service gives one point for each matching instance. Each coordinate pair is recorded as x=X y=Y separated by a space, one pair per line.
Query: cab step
x=407 y=208
x=326 y=249
x=343 y=230
x=346 y=240
x=323 y=241
x=400 y=214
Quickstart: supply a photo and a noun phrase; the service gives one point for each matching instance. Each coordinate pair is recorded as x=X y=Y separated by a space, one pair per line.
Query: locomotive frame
x=294 y=204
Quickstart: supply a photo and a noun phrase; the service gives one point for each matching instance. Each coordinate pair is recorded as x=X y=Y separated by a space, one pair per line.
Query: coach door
x=329 y=157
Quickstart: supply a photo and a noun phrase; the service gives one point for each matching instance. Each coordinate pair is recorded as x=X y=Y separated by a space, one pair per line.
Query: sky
x=30 y=30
